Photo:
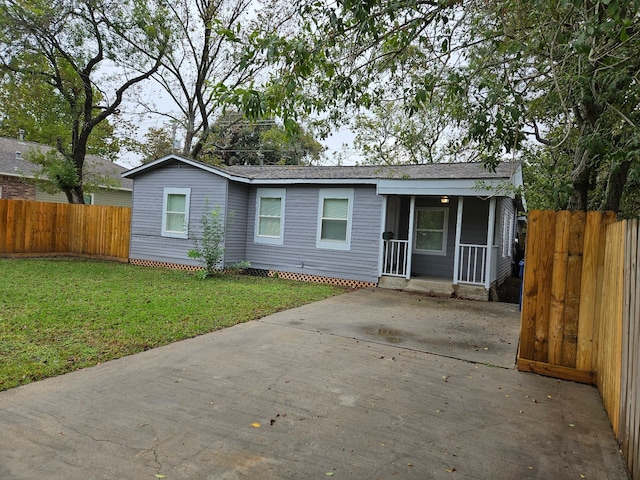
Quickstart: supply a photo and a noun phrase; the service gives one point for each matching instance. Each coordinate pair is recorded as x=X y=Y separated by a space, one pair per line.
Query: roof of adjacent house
x=13 y=162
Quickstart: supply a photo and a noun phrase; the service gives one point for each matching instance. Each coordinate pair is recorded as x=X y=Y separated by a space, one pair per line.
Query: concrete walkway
x=374 y=384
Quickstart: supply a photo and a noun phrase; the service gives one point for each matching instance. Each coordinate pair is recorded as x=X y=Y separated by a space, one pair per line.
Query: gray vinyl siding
x=147 y=243
x=103 y=196
x=298 y=253
x=236 y=233
x=116 y=198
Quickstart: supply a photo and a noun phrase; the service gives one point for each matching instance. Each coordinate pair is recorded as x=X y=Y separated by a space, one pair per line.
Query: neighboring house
x=355 y=225
x=16 y=172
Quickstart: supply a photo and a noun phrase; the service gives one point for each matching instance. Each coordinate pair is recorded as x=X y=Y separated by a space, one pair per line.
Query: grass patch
x=61 y=315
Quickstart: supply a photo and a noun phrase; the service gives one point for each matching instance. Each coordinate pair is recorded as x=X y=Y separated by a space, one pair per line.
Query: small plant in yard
x=209 y=250
x=239 y=266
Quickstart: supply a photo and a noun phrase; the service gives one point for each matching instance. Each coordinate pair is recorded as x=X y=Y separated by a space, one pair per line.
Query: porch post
x=490 y=229
x=412 y=211
x=383 y=223
x=456 y=254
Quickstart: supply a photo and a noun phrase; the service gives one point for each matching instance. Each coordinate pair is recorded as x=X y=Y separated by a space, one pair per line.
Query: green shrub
x=210 y=249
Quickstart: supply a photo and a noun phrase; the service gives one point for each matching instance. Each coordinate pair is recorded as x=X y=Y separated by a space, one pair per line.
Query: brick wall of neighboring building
x=14 y=188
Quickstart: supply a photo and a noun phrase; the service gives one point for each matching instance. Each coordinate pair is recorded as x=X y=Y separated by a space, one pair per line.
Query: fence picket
x=572 y=295
x=28 y=227
x=592 y=314
x=558 y=287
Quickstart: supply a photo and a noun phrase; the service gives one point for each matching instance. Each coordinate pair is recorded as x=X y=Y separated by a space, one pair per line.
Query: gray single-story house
x=355 y=225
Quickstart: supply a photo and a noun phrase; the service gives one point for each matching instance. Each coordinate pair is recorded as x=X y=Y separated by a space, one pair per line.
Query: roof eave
x=172 y=157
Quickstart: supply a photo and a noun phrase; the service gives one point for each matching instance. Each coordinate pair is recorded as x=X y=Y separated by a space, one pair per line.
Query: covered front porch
x=439 y=245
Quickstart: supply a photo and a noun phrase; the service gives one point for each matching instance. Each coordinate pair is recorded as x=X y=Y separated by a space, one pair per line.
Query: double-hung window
x=270 y=216
x=431 y=230
x=334 y=218
x=175 y=212
x=507 y=234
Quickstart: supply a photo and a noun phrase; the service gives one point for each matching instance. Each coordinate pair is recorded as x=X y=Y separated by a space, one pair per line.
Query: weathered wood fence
x=28 y=227
x=581 y=313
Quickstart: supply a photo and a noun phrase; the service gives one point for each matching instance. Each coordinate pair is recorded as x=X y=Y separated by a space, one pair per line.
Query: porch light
x=444 y=199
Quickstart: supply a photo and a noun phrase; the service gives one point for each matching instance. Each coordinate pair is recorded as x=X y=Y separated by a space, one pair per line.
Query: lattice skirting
x=300 y=277
x=303 y=277
x=172 y=266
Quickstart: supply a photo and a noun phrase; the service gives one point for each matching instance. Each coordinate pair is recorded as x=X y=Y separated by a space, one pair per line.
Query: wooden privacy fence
x=28 y=227
x=581 y=313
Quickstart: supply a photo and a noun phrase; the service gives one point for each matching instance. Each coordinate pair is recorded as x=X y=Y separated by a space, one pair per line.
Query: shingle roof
x=416 y=172
x=14 y=165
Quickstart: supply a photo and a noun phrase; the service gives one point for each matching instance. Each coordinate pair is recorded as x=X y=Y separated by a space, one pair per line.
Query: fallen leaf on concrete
x=329 y=474
x=572 y=424
x=255 y=425
x=159 y=475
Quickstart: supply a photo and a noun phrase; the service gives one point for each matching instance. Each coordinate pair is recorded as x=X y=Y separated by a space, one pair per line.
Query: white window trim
x=443 y=251
x=338 y=193
x=270 y=193
x=507 y=234
x=92 y=198
x=176 y=191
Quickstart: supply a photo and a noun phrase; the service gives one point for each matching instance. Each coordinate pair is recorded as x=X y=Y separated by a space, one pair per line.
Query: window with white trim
x=507 y=234
x=431 y=230
x=335 y=211
x=175 y=212
x=270 y=216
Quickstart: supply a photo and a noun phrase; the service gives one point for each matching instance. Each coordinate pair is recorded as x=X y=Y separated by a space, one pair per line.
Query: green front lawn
x=61 y=315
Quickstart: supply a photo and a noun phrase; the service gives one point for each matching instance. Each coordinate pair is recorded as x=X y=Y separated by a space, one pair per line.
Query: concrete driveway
x=374 y=384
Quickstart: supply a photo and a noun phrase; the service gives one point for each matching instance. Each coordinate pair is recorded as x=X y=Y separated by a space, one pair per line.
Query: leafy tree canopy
x=235 y=140
x=37 y=109
x=204 y=60
x=156 y=143
x=554 y=77
x=65 y=47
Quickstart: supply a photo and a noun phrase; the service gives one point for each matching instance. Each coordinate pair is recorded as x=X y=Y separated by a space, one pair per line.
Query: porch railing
x=472 y=264
x=395 y=258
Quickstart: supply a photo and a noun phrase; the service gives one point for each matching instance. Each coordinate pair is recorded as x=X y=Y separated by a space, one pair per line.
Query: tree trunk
x=197 y=148
x=580 y=180
x=75 y=195
x=615 y=186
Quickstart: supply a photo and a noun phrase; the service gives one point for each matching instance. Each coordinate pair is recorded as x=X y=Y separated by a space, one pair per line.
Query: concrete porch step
x=437 y=287
x=431 y=286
